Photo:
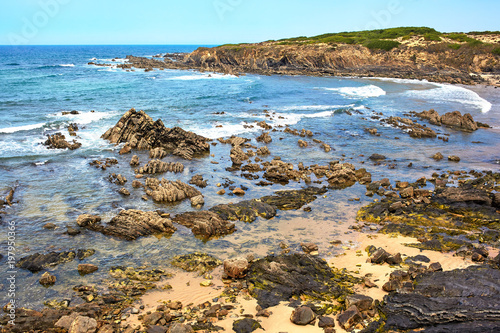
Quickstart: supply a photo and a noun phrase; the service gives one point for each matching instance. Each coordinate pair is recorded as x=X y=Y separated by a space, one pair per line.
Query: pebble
x=206 y=283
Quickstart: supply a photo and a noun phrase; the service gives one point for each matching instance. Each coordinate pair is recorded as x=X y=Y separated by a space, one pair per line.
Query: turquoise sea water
x=39 y=82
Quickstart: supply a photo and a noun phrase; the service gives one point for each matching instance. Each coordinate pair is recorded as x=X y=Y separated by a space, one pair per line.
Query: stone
x=376 y=157
x=126 y=149
x=65 y=321
x=197 y=201
x=152 y=318
x=406 y=193
x=264 y=137
x=455 y=119
x=309 y=247
x=349 y=318
x=84 y=269
x=263 y=151
x=246 y=325
x=236 y=267
x=157 y=153
x=361 y=302
x=379 y=256
x=47 y=279
x=325 y=322
x=132 y=224
x=124 y=191
x=238 y=191
x=72 y=231
x=196 y=262
x=169 y=191
x=293 y=199
x=246 y=211
x=302 y=143
x=37 y=262
x=156 y=329
x=453 y=158
x=134 y=161
x=49 y=225
x=221 y=192
x=143 y=133
x=137 y=184
x=206 y=224
x=435 y=267
x=198 y=181
x=58 y=141
x=302 y=316
x=156 y=166
x=437 y=156
x=87 y=219
x=394 y=259
x=83 y=324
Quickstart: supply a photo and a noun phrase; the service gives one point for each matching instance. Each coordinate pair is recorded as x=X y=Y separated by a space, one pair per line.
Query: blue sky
x=226 y=21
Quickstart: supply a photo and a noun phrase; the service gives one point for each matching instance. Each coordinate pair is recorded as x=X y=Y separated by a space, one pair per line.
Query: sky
x=214 y=22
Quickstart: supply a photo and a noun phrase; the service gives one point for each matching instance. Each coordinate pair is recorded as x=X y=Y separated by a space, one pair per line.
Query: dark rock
x=302 y=316
x=131 y=224
x=379 y=256
x=246 y=325
x=47 y=279
x=198 y=181
x=309 y=247
x=463 y=194
x=293 y=199
x=437 y=156
x=72 y=231
x=435 y=267
x=84 y=269
x=453 y=158
x=442 y=300
x=206 y=224
x=58 y=141
x=156 y=329
x=273 y=279
x=246 y=211
x=349 y=318
x=82 y=254
x=196 y=262
x=392 y=285
x=180 y=328
x=326 y=322
x=152 y=319
x=142 y=133
x=394 y=259
x=37 y=262
x=377 y=157
x=362 y=302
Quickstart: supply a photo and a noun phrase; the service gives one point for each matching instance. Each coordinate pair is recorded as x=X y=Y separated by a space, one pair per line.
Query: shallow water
x=56 y=186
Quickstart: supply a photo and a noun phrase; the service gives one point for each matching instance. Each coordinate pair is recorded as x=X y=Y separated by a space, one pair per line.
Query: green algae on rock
x=293 y=199
x=196 y=262
x=246 y=211
x=273 y=279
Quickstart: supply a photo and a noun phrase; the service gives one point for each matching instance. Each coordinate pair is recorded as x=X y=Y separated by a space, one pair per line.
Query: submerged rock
x=277 y=278
x=293 y=199
x=130 y=224
x=246 y=211
x=206 y=224
x=142 y=133
x=196 y=262
x=37 y=262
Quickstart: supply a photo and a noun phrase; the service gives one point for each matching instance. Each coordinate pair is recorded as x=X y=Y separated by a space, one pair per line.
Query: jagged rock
x=137 y=184
x=142 y=133
x=293 y=199
x=196 y=262
x=86 y=219
x=198 y=181
x=197 y=201
x=349 y=318
x=157 y=153
x=132 y=224
x=263 y=151
x=124 y=191
x=273 y=279
x=117 y=179
x=47 y=279
x=453 y=158
x=157 y=166
x=264 y=137
x=455 y=119
x=65 y=321
x=379 y=256
x=237 y=155
x=463 y=194
x=169 y=191
x=206 y=224
x=430 y=115
x=442 y=302
x=236 y=267
x=37 y=262
x=82 y=324
x=325 y=322
x=246 y=211
x=134 y=161
x=309 y=247
x=437 y=156
x=87 y=268
x=246 y=325
x=342 y=176
x=361 y=302
x=302 y=316
x=264 y=125
x=302 y=143
x=58 y=141
x=326 y=147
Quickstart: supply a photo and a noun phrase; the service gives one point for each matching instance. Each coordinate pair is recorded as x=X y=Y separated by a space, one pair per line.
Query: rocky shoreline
x=448 y=224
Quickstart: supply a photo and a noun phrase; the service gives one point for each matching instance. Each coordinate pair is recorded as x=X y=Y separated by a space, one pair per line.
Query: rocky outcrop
x=169 y=191
x=442 y=302
x=246 y=211
x=293 y=199
x=273 y=279
x=58 y=141
x=130 y=224
x=451 y=119
x=205 y=224
x=37 y=262
x=198 y=181
x=142 y=133
x=196 y=262
x=157 y=166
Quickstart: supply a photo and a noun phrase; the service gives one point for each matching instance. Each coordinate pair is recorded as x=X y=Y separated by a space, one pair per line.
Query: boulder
x=293 y=199
x=87 y=219
x=58 y=141
x=84 y=269
x=143 y=133
x=37 y=262
x=309 y=247
x=206 y=224
x=169 y=191
x=198 y=181
x=236 y=267
x=245 y=325
x=302 y=316
x=361 y=302
x=264 y=137
x=376 y=157
x=325 y=322
x=349 y=318
x=437 y=156
x=82 y=324
x=47 y=279
x=455 y=119
x=246 y=211
x=197 y=201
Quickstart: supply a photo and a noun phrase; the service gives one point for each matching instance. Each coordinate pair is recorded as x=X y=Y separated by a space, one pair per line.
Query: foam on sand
x=360 y=92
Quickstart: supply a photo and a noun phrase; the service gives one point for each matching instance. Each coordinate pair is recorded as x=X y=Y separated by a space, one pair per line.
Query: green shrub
x=474 y=42
x=454 y=46
x=496 y=51
x=432 y=37
x=378 y=44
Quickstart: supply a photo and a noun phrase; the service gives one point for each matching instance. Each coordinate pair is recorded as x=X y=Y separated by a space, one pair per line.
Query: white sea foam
x=444 y=93
x=67 y=65
x=83 y=118
x=9 y=130
x=311 y=107
x=363 y=92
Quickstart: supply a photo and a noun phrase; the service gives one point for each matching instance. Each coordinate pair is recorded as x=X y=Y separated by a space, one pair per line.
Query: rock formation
x=205 y=224
x=169 y=191
x=58 y=141
x=157 y=166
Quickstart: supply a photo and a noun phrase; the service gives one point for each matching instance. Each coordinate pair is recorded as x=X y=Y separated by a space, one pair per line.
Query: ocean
x=38 y=83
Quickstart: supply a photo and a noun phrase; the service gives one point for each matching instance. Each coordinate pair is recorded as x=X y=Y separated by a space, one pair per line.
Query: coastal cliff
x=410 y=53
